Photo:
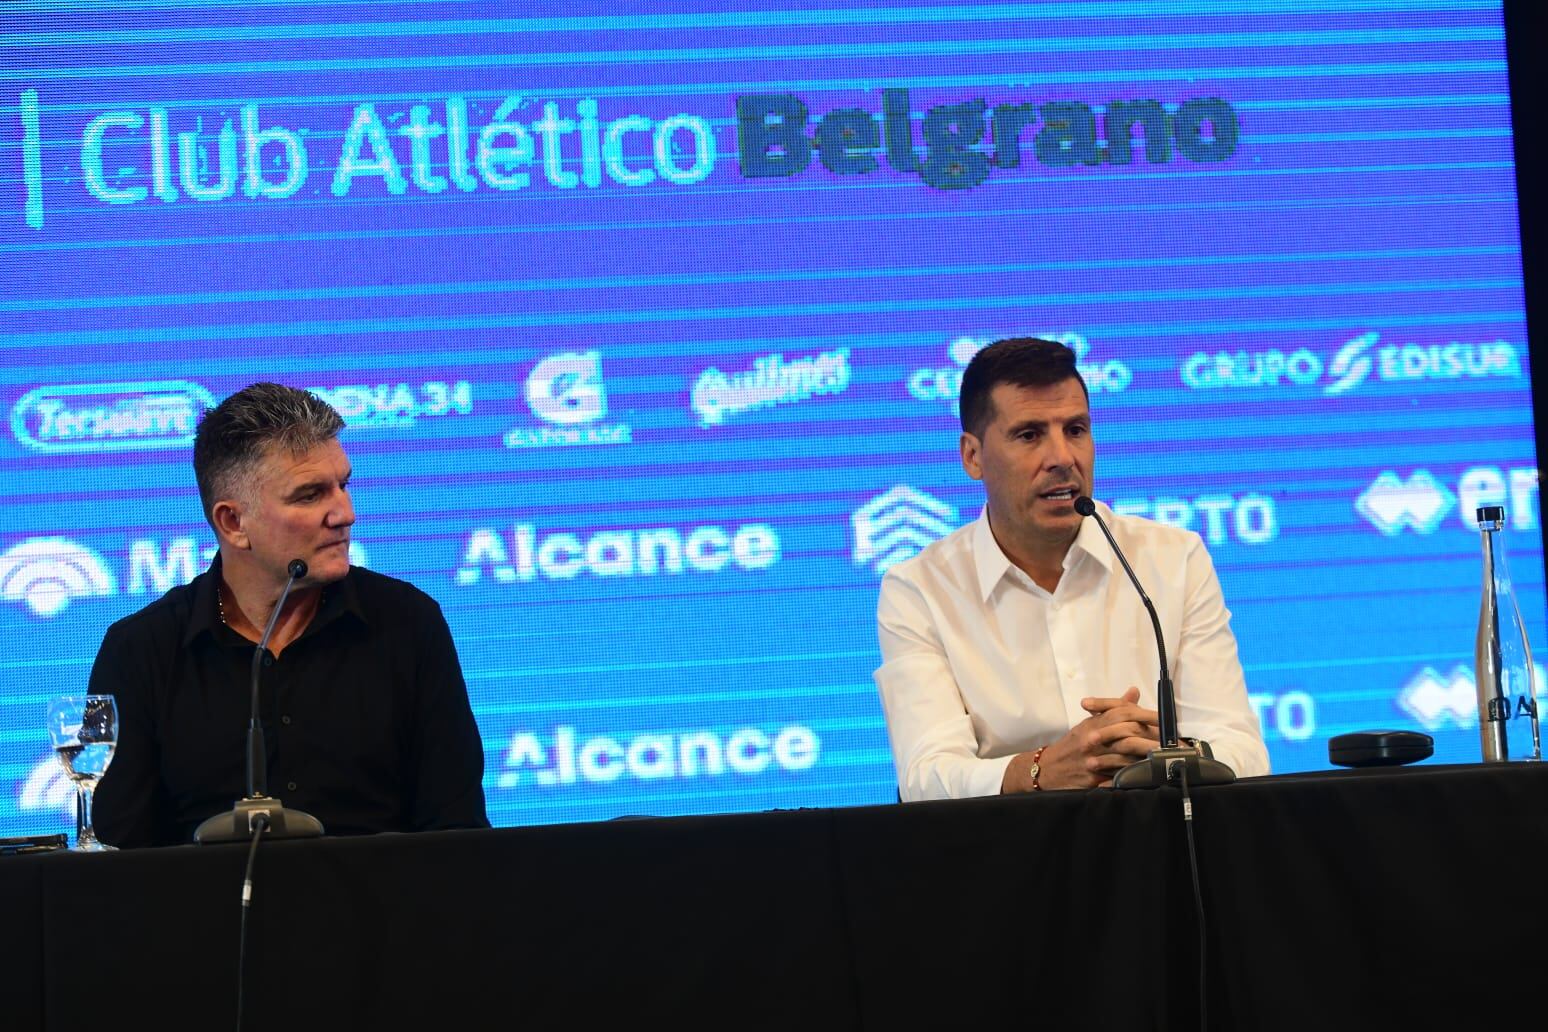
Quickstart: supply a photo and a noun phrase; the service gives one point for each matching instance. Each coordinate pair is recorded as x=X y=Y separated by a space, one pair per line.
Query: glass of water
x=84 y=729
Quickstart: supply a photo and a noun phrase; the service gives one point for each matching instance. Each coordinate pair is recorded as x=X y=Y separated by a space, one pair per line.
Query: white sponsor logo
x=1391 y=504
x=566 y=392
x=1219 y=518
x=1419 y=502
x=771 y=381
x=945 y=384
x=898 y=525
x=1351 y=364
x=366 y=406
x=600 y=759
x=1205 y=370
x=1292 y=715
x=107 y=417
x=645 y=552
x=48 y=788
x=158 y=566
x=45 y=573
x=1437 y=700
x=1358 y=358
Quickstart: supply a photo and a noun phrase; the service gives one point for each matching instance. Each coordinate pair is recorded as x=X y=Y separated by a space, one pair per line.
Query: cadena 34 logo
x=106 y=417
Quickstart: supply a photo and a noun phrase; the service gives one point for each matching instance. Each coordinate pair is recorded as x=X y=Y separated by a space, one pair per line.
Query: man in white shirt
x=1016 y=654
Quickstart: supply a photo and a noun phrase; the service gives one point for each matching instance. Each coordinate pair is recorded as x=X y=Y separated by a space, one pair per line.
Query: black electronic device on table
x=1379 y=748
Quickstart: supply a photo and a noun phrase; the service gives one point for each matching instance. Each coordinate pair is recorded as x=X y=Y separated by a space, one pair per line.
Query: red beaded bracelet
x=1037 y=769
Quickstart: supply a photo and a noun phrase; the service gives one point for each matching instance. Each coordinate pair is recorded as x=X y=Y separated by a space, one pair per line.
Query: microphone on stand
x=257 y=807
x=1174 y=758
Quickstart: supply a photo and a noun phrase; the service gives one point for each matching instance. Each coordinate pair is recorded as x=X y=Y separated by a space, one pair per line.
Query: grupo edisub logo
x=108 y=417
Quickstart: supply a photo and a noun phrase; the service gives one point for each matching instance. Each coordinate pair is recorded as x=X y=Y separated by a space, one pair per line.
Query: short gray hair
x=237 y=434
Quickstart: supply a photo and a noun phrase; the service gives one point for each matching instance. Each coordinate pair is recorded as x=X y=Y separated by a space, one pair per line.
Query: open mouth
x=1063 y=494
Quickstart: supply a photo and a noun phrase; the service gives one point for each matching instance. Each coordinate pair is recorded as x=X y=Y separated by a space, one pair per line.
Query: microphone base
x=1165 y=766
x=236 y=825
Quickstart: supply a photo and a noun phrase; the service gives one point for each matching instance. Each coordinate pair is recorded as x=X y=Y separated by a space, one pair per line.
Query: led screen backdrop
x=647 y=325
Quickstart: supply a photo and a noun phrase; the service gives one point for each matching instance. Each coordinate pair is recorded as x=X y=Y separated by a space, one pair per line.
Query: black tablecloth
x=1348 y=899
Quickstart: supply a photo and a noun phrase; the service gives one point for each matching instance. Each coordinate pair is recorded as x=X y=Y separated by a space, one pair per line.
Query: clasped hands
x=1118 y=732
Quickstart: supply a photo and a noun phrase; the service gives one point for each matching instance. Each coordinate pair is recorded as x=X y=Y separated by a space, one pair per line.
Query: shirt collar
x=992 y=564
x=339 y=599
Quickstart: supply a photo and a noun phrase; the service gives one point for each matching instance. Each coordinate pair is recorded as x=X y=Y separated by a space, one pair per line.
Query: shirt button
x=290 y=786
x=285 y=719
x=268 y=660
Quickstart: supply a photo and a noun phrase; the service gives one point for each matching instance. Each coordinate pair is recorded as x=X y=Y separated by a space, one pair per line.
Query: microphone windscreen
x=297 y=568
x=1085 y=506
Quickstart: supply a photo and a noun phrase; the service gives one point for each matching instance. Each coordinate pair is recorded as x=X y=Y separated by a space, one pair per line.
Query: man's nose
x=342 y=513
x=1058 y=454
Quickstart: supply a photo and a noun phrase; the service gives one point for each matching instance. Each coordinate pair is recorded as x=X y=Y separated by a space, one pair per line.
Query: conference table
x=1360 y=899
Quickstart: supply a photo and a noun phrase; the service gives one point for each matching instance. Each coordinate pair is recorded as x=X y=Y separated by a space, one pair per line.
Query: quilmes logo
x=945 y=383
x=1437 y=700
x=567 y=393
x=771 y=381
x=898 y=525
x=47 y=573
x=645 y=552
x=107 y=417
x=397 y=404
x=1357 y=359
x=569 y=759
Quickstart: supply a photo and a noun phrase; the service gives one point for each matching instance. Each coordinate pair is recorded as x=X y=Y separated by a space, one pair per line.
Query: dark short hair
x=1020 y=361
x=236 y=435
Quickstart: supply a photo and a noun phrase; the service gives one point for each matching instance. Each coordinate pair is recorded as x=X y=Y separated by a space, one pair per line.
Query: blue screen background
x=648 y=403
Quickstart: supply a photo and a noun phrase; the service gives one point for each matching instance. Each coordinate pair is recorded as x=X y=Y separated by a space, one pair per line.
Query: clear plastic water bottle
x=1507 y=700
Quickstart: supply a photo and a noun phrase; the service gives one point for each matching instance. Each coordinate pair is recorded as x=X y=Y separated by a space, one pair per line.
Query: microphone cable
x=1198 y=896
x=260 y=824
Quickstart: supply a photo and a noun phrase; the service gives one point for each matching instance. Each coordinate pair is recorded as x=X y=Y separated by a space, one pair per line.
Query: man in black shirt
x=365 y=712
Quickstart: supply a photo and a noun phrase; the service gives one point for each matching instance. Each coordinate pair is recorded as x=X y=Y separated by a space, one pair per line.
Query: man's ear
x=970 y=447
x=227 y=517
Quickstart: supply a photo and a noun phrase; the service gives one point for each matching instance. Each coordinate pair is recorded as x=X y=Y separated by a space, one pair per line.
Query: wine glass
x=84 y=729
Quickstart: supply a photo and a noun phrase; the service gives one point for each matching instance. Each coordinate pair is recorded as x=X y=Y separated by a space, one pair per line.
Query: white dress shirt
x=980 y=664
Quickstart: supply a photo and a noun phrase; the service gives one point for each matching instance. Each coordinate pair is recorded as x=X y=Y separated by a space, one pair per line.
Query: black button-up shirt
x=365 y=716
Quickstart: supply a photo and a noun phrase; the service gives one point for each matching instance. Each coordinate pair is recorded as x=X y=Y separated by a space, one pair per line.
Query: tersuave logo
x=945 y=384
x=366 y=406
x=771 y=381
x=109 y=417
x=644 y=552
x=46 y=573
x=566 y=392
x=601 y=759
x=898 y=525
